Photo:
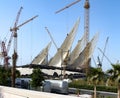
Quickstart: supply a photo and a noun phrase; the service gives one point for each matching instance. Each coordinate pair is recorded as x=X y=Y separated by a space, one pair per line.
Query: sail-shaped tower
x=86 y=54
x=62 y=52
x=42 y=57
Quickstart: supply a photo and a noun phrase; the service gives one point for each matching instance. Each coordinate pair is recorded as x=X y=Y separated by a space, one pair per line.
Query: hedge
x=91 y=87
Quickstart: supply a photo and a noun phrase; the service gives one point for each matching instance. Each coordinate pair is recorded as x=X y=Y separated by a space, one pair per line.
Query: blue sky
x=32 y=37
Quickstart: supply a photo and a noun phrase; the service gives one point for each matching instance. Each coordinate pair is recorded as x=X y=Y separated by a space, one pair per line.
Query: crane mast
x=86 y=21
x=86 y=31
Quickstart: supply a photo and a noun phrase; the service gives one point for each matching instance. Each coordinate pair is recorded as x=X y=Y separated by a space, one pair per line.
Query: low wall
x=9 y=92
x=100 y=94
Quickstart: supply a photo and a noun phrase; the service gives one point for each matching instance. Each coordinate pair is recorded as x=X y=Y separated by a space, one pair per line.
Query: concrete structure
x=9 y=92
x=28 y=71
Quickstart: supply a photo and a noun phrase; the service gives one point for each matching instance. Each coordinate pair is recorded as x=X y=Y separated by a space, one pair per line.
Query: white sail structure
x=86 y=54
x=62 y=52
x=76 y=51
x=42 y=56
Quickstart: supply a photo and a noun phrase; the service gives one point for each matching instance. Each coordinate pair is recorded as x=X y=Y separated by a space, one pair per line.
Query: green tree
x=96 y=76
x=5 y=75
x=17 y=73
x=115 y=76
x=37 y=78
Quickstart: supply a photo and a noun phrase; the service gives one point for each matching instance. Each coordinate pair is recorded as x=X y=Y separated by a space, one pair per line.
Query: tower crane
x=86 y=17
x=86 y=25
x=4 y=55
x=103 y=54
x=14 y=31
x=104 y=49
x=86 y=31
x=14 y=35
x=5 y=49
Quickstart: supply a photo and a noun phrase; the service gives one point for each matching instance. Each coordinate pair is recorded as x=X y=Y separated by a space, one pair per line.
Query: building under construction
x=64 y=59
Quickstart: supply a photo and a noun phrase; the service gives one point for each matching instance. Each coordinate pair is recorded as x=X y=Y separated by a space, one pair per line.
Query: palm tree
x=115 y=76
x=96 y=76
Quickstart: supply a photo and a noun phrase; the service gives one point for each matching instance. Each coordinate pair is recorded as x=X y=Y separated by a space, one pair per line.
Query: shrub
x=80 y=85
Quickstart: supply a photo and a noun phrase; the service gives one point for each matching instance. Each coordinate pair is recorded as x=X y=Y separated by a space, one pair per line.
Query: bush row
x=91 y=87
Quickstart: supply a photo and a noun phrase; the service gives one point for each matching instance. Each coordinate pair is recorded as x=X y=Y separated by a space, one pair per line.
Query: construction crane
x=86 y=25
x=86 y=17
x=104 y=49
x=67 y=6
x=14 y=31
x=86 y=20
x=5 y=49
x=99 y=63
x=103 y=54
x=14 y=35
x=5 y=55
x=86 y=31
x=51 y=37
